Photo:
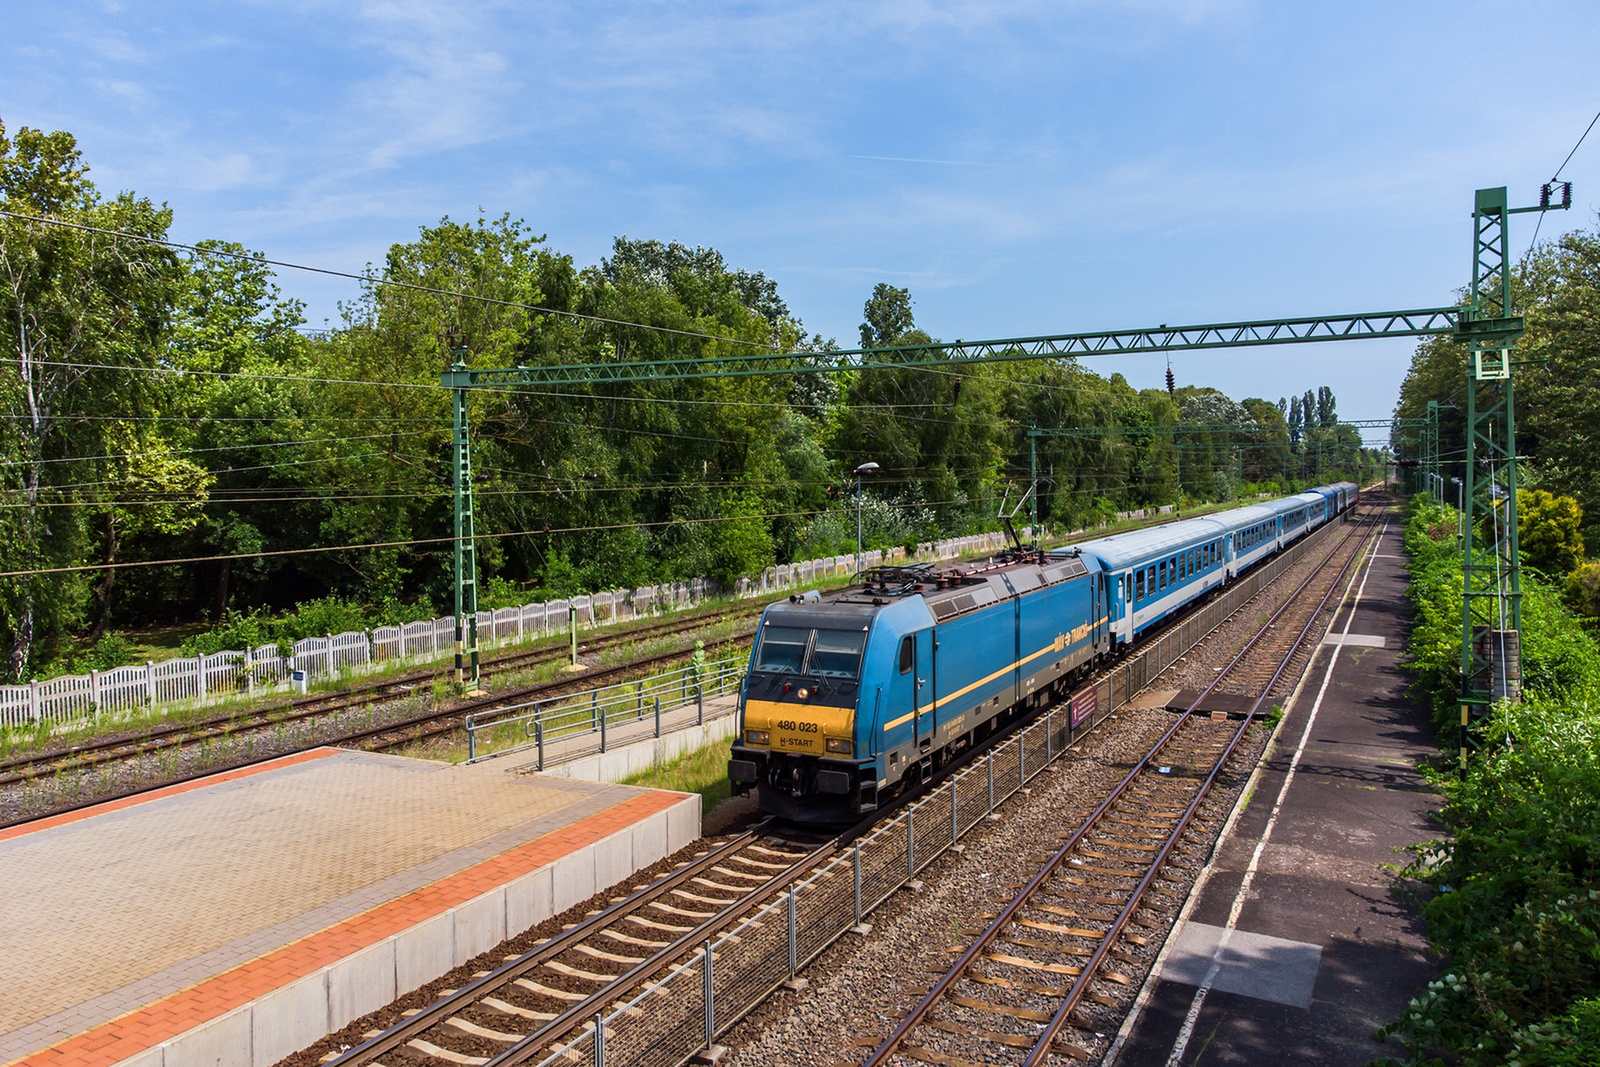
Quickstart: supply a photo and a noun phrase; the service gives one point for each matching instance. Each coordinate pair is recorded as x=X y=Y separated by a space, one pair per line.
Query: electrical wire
x=323 y=549
x=1540 y=221
x=216 y=448
x=366 y=278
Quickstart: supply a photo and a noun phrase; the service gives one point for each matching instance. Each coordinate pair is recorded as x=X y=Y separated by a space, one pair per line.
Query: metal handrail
x=593 y=710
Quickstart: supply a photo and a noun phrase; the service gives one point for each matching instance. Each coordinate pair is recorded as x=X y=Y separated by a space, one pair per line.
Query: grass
x=703 y=771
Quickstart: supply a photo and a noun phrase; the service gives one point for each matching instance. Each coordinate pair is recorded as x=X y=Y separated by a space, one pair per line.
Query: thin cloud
x=940 y=162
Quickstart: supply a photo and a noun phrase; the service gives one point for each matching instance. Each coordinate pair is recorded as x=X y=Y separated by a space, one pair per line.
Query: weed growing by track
x=703 y=771
x=1517 y=881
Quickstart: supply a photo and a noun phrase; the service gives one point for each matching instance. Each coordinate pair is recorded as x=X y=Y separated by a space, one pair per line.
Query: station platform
x=238 y=918
x=1293 y=949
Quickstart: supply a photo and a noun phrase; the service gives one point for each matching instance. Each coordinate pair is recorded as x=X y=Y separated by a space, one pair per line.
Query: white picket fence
x=229 y=674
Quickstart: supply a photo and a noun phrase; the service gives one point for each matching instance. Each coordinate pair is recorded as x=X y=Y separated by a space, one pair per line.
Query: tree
x=888 y=316
x=1296 y=422
x=1326 y=408
x=1582 y=592
x=82 y=317
x=1547 y=529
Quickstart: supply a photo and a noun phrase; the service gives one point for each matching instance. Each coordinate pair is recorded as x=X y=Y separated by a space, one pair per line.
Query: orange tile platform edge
x=209 y=780
x=143 y=1029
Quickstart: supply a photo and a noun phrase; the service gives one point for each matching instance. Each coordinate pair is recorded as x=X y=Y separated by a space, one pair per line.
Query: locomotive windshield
x=802 y=650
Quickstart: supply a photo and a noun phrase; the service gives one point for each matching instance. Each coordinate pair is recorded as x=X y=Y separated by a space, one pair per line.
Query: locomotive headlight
x=758 y=737
x=840 y=746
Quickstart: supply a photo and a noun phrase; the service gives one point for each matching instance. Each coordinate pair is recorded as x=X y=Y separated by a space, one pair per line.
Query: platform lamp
x=1460 y=508
x=865 y=468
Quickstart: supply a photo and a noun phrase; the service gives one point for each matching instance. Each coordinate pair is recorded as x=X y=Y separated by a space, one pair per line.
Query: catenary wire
x=367 y=279
x=323 y=549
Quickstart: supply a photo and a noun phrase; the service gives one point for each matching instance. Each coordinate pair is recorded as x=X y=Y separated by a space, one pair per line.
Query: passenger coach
x=848 y=698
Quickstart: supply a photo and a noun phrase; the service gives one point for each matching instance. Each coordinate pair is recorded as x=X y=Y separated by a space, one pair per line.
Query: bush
x=112 y=650
x=239 y=630
x=1582 y=592
x=1517 y=883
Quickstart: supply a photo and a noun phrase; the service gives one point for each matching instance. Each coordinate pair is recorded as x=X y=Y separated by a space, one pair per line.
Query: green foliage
x=238 y=631
x=1517 y=904
x=1582 y=592
x=275 y=440
x=1548 y=531
x=703 y=771
x=1556 y=286
x=888 y=316
x=112 y=650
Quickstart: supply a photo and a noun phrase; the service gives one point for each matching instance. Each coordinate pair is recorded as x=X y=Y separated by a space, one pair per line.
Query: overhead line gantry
x=1486 y=323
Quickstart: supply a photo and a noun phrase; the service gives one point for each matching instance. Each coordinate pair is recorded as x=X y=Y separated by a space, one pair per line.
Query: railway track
x=544 y=996
x=546 y=1000
x=1055 y=967
x=435 y=722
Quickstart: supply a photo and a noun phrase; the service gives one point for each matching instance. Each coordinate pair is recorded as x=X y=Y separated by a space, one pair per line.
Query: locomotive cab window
x=837 y=653
x=783 y=649
x=908 y=654
x=801 y=650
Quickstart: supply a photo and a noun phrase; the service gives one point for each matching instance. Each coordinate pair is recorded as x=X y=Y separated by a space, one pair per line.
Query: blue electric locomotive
x=850 y=698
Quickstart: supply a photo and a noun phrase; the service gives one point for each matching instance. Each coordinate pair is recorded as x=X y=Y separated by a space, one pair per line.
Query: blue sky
x=1022 y=168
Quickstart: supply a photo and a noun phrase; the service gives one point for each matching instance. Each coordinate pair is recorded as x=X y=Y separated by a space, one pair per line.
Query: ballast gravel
x=861 y=987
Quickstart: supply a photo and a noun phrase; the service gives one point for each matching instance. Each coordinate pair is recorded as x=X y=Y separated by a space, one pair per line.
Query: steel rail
x=95 y=753
x=419 y=727
x=435 y=724
x=443 y=1008
x=580 y=1011
x=891 y=1044
x=1041 y=1048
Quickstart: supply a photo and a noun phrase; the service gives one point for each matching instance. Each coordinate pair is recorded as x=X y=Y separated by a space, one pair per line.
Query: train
x=853 y=697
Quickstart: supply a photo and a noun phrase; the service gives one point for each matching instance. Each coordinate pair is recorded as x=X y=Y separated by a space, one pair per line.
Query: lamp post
x=865 y=468
x=1459 y=512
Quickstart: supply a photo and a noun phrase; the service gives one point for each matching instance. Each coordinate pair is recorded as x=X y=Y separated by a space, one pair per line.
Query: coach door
x=912 y=688
x=925 y=720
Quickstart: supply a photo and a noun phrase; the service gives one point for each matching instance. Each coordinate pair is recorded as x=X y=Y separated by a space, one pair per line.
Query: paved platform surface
x=1314 y=954
x=129 y=923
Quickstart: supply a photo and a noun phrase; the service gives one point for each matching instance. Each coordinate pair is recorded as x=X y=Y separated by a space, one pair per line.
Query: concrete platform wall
x=302 y=1012
x=625 y=760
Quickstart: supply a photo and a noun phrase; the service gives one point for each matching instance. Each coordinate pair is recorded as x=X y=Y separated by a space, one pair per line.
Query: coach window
x=1165 y=574
x=1150 y=580
x=1138 y=585
x=908 y=654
